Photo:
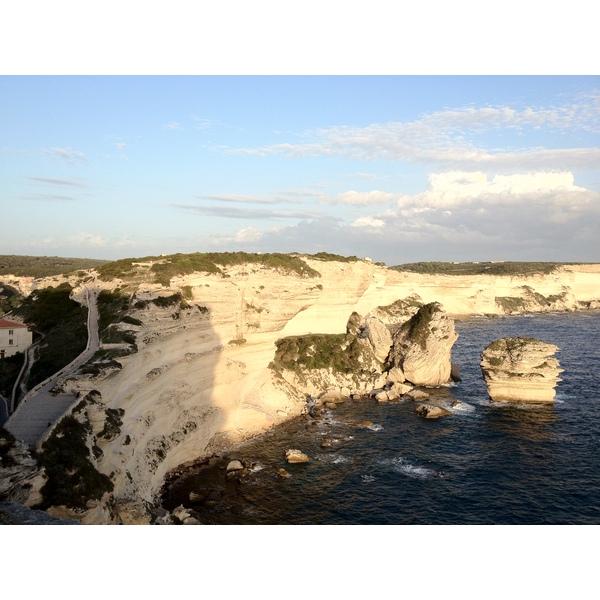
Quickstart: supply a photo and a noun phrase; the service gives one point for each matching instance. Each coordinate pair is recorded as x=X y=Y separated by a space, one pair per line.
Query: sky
x=397 y=168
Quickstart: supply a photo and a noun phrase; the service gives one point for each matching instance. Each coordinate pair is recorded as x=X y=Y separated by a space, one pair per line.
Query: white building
x=14 y=337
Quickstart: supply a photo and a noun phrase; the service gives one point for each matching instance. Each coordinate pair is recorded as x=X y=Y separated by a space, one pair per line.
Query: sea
x=487 y=463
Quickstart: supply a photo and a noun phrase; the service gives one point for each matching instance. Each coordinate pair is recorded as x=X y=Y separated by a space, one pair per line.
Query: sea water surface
x=486 y=463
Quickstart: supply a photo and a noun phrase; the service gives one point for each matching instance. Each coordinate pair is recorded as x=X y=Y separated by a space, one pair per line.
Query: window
x=11 y=332
x=10 y=342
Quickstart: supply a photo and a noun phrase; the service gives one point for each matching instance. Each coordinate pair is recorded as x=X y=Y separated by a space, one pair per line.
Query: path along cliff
x=199 y=380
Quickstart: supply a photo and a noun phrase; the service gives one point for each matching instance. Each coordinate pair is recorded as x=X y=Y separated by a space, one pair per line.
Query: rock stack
x=422 y=347
x=520 y=369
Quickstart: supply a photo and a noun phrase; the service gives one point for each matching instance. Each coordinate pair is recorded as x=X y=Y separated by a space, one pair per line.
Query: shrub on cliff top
x=164 y=268
x=417 y=327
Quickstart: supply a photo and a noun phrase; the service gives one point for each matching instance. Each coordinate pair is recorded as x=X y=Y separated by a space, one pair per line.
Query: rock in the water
x=423 y=345
x=417 y=395
x=296 y=456
x=429 y=411
x=520 y=369
x=283 y=474
x=235 y=465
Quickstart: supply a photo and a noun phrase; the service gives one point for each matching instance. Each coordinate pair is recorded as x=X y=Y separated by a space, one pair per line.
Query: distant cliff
x=186 y=365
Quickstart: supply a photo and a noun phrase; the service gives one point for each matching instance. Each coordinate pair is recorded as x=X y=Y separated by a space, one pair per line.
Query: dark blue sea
x=487 y=463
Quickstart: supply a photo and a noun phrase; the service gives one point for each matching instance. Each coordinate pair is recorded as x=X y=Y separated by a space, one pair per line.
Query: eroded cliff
x=192 y=375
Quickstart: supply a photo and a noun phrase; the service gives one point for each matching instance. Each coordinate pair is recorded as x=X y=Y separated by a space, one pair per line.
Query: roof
x=4 y=324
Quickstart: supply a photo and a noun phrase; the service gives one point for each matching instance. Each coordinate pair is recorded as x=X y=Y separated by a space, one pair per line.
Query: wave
x=402 y=466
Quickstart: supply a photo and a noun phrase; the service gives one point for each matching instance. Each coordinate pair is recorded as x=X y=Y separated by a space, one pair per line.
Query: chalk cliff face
x=423 y=345
x=200 y=379
x=520 y=369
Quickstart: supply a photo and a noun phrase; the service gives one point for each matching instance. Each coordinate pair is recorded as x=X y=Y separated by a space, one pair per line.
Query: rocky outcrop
x=520 y=369
x=422 y=347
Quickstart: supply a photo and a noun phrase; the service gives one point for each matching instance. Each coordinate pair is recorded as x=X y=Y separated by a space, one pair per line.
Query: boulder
x=520 y=369
x=418 y=395
x=235 y=465
x=296 y=456
x=422 y=347
x=429 y=411
x=395 y=375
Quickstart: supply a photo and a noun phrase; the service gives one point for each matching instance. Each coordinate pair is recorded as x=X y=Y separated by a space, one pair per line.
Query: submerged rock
x=520 y=369
x=422 y=346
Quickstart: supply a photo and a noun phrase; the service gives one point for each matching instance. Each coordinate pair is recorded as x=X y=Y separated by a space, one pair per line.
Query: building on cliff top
x=14 y=337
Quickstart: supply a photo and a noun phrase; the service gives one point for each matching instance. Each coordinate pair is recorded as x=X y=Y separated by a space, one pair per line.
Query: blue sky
x=397 y=168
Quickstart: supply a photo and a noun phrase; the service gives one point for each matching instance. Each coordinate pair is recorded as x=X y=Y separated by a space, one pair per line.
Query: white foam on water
x=336 y=459
x=402 y=466
x=367 y=478
x=375 y=427
x=462 y=407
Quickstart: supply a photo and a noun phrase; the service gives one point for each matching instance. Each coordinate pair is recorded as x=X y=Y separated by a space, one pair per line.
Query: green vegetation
x=44 y=266
x=417 y=327
x=340 y=352
x=111 y=309
x=9 y=371
x=163 y=268
x=64 y=325
x=482 y=268
x=72 y=478
x=507 y=344
x=9 y=298
x=326 y=256
x=237 y=342
x=510 y=303
x=112 y=424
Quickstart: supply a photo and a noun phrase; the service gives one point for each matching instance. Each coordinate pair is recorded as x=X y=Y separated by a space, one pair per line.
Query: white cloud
x=66 y=154
x=361 y=198
x=451 y=139
x=247 y=234
x=173 y=126
x=368 y=222
x=457 y=188
x=200 y=123
x=57 y=182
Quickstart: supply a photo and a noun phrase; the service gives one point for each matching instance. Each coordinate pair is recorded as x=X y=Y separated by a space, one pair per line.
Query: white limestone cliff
x=200 y=379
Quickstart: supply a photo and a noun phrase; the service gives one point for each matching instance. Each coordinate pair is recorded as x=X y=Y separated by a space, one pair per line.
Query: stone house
x=14 y=337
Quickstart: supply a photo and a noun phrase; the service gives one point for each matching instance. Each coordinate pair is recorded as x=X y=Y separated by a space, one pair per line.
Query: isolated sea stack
x=422 y=347
x=520 y=369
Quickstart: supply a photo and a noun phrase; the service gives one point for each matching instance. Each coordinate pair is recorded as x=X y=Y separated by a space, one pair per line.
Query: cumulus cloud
x=461 y=216
x=459 y=189
x=369 y=222
x=67 y=155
